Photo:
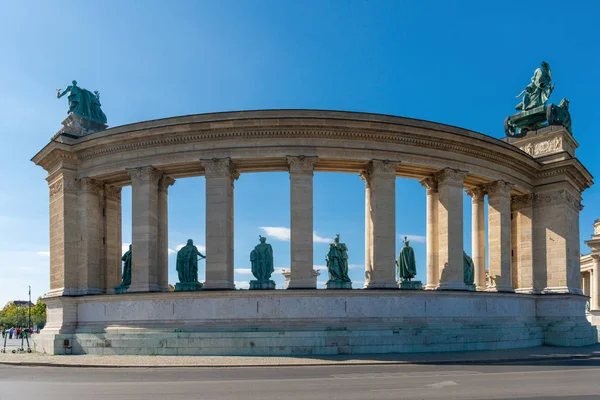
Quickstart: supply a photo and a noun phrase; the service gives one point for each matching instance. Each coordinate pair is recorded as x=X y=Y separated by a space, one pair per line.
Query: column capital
x=220 y=168
x=451 y=176
x=68 y=183
x=430 y=183
x=498 y=187
x=477 y=193
x=112 y=192
x=522 y=201
x=595 y=257
x=89 y=185
x=302 y=163
x=378 y=167
x=164 y=183
x=144 y=174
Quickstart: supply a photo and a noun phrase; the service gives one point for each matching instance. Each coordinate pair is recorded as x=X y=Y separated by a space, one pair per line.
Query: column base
x=262 y=285
x=501 y=288
x=218 y=285
x=527 y=291
x=562 y=289
x=391 y=284
x=73 y=292
x=430 y=286
x=481 y=288
x=143 y=288
x=452 y=286
x=302 y=284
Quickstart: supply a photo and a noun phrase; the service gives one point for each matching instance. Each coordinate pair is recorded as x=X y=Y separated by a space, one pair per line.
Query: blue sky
x=460 y=63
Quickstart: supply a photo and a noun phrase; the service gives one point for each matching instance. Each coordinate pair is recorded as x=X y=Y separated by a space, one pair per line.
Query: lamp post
x=29 y=311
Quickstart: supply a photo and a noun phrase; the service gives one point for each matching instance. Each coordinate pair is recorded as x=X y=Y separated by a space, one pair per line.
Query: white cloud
x=44 y=253
x=284 y=234
x=171 y=251
x=242 y=285
x=243 y=270
x=319 y=239
x=413 y=238
x=320 y=267
x=356 y=266
x=125 y=247
x=277 y=232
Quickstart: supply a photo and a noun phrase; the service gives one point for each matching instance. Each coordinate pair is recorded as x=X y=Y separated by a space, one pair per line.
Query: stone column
x=522 y=207
x=64 y=233
x=432 y=245
x=450 y=229
x=113 y=242
x=595 y=286
x=478 y=235
x=220 y=175
x=144 y=232
x=301 y=222
x=556 y=239
x=499 y=236
x=90 y=227
x=586 y=284
x=364 y=175
x=163 y=232
x=381 y=273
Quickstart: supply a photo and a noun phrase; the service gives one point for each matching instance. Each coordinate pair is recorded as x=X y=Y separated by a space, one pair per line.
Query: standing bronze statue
x=468 y=271
x=261 y=259
x=539 y=90
x=337 y=265
x=187 y=268
x=126 y=277
x=83 y=103
x=407 y=267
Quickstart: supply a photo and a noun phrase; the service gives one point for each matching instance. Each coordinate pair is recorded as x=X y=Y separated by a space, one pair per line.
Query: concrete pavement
x=532 y=355
x=553 y=379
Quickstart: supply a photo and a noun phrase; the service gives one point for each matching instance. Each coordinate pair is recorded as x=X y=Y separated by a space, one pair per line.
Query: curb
x=331 y=364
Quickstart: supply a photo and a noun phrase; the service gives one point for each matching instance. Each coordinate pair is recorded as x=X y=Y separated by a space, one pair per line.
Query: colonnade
x=86 y=231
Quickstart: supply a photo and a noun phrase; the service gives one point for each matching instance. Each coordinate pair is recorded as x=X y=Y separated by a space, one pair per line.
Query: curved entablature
x=261 y=140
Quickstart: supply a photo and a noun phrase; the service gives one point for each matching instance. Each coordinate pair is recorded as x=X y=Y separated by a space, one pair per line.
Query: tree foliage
x=16 y=316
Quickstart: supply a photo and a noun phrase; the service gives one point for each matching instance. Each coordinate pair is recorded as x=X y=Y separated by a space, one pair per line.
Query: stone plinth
x=76 y=126
x=312 y=322
x=472 y=287
x=262 y=285
x=550 y=144
x=287 y=274
x=338 y=285
x=410 y=285
x=187 y=286
x=121 y=289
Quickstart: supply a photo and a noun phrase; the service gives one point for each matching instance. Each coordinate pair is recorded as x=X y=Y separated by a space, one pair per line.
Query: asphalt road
x=568 y=380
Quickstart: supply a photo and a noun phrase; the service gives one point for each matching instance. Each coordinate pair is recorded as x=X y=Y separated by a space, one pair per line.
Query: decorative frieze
x=145 y=174
x=557 y=197
x=66 y=184
x=302 y=164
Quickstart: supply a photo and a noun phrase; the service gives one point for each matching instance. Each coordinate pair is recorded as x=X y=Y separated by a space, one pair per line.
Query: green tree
x=38 y=314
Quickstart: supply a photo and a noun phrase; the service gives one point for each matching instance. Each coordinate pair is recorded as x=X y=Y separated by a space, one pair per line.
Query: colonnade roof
x=260 y=140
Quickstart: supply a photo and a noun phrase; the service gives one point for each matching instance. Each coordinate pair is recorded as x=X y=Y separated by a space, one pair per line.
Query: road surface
x=566 y=380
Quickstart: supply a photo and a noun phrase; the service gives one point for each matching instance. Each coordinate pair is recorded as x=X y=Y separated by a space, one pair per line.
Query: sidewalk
x=533 y=355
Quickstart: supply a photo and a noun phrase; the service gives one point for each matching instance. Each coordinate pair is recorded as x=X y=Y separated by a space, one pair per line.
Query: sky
x=460 y=63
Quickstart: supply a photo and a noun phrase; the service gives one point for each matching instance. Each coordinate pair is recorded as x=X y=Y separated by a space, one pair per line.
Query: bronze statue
x=187 y=267
x=261 y=259
x=126 y=277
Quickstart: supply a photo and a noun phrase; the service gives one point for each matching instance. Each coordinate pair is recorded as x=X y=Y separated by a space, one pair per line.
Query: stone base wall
x=312 y=323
